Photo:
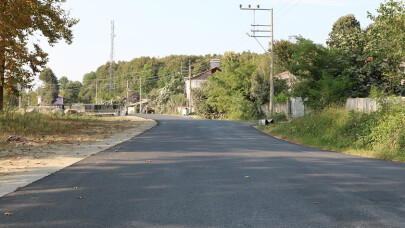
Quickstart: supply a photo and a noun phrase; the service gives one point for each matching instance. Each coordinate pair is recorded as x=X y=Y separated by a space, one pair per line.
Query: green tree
x=50 y=90
x=72 y=91
x=386 y=43
x=19 y=21
x=347 y=35
x=63 y=81
x=229 y=92
x=282 y=55
x=365 y=66
x=322 y=73
x=260 y=89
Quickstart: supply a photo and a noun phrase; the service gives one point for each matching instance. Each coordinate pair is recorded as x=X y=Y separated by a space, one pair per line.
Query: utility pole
x=140 y=94
x=266 y=35
x=189 y=83
x=112 y=56
x=271 y=103
x=126 y=100
x=181 y=68
x=96 y=91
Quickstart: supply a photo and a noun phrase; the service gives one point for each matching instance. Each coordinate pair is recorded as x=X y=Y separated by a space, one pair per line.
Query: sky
x=161 y=28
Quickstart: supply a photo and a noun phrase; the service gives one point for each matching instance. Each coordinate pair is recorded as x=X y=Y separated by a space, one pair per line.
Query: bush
x=380 y=134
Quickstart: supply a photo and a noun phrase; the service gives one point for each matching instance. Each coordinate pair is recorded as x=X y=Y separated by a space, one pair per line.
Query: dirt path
x=22 y=164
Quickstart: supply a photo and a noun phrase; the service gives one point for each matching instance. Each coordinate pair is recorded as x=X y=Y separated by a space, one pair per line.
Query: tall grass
x=379 y=135
x=35 y=124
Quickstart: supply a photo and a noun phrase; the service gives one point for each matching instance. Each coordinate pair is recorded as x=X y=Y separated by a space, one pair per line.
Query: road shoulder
x=23 y=171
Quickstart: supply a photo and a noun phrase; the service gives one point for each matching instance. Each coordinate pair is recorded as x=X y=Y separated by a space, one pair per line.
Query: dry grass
x=55 y=130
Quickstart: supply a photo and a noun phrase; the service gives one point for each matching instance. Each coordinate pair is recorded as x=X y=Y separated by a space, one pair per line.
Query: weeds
x=379 y=135
x=35 y=124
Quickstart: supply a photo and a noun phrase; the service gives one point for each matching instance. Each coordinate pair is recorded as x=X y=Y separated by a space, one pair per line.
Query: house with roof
x=198 y=79
x=288 y=77
x=60 y=100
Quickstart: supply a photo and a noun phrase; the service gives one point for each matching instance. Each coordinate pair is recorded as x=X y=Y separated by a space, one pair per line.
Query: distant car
x=148 y=110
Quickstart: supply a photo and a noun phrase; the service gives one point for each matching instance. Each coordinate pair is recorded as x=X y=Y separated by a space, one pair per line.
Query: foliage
x=229 y=92
x=63 y=81
x=155 y=73
x=281 y=98
x=386 y=43
x=200 y=96
x=170 y=97
x=322 y=74
x=379 y=134
x=346 y=34
x=20 y=21
x=278 y=116
x=282 y=55
x=71 y=92
x=50 y=90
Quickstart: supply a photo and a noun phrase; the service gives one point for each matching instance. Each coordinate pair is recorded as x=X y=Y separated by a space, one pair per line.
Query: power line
x=289 y=9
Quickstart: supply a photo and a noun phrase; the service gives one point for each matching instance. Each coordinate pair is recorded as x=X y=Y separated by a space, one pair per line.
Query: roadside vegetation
x=357 y=63
x=48 y=128
x=379 y=134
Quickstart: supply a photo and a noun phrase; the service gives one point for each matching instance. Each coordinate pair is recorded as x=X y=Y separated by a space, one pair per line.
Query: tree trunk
x=2 y=79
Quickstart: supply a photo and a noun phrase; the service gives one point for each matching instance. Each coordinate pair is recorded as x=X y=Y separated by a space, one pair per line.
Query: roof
x=213 y=70
x=282 y=74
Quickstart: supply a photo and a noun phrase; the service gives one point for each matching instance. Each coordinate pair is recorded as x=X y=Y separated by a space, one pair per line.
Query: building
x=290 y=78
x=59 y=100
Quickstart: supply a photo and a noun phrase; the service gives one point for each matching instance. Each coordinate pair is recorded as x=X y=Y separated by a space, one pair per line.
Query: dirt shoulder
x=21 y=163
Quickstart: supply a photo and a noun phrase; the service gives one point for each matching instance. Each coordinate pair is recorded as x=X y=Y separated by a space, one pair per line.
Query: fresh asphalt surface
x=202 y=173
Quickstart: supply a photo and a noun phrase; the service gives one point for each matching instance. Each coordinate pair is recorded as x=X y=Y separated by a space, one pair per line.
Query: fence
x=294 y=108
x=362 y=104
x=91 y=109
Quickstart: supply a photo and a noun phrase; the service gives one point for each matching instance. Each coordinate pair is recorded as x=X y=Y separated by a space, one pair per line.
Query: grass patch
x=377 y=135
x=58 y=129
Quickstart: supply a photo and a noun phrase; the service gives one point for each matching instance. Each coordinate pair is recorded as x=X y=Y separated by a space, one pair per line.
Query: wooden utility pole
x=126 y=100
x=140 y=94
x=112 y=56
x=260 y=33
x=189 y=83
x=96 y=91
x=271 y=102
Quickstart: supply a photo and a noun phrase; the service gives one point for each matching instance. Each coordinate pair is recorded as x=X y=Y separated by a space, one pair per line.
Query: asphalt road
x=201 y=173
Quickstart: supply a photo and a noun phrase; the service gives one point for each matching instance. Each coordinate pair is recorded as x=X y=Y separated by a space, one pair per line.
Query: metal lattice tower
x=112 y=56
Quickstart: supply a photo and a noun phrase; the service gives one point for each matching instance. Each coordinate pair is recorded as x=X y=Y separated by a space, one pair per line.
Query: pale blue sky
x=161 y=27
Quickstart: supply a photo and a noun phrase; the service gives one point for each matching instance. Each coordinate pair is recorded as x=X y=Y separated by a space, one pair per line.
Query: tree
x=386 y=43
x=50 y=90
x=19 y=21
x=63 y=81
x=72 y=91
x=346 y=35
x=282 y=55
x=365 y=66
x=322 y=73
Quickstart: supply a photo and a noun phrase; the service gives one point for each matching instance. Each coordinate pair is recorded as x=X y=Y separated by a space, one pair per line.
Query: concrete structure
x=94 y=109
x=362 y=104
x=293 y=108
